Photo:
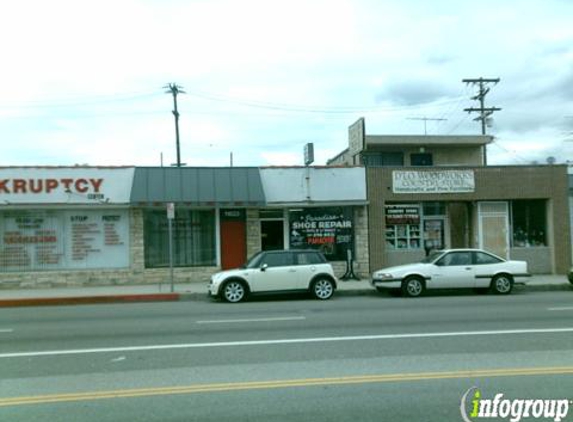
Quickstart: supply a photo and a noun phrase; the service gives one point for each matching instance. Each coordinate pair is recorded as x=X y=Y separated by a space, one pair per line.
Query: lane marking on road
x=283 y=341
x=259 y=385
x=562 y=308
x=231 y=321
x=6 y=330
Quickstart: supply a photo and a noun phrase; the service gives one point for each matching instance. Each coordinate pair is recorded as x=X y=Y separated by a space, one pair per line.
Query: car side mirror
x=264 y=267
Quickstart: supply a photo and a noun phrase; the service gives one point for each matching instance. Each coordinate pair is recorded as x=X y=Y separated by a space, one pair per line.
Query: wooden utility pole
x=484 y=112
x=175 y=89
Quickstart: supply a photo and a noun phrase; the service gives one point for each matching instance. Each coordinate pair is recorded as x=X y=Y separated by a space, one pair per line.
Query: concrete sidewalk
x=191 y=291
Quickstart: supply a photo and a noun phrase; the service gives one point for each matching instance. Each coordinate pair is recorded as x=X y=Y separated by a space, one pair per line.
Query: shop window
x=403 y=227
x=434 y=208
x=421 y=159
x=42 y=240
x=329 y=230
x=383 y=159
x=193 y=238
x=528 y=220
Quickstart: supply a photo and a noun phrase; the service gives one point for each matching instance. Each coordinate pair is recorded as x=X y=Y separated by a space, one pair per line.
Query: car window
x=481 y=258
x=456 y=258
x=277 y=259
x=308 y=258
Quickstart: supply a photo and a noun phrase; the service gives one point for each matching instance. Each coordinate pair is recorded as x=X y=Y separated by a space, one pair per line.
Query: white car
x=453 y=269
x=276 y=272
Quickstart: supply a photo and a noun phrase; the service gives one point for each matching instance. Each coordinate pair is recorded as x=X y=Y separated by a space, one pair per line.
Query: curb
x=87 y=300
x=191 y=296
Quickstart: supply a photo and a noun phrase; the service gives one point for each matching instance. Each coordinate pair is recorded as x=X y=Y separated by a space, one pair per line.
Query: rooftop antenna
x=425 y=119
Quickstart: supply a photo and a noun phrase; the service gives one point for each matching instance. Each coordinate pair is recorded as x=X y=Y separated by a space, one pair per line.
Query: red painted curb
x=80 y=300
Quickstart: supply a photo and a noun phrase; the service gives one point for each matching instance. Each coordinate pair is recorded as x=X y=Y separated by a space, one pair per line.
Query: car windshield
x=431 y=257
x=253 y=261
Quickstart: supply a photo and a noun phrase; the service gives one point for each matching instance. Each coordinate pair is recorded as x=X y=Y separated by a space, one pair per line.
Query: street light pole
x=175 y=89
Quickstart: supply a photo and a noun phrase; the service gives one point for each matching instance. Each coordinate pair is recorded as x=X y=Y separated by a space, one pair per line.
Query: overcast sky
x=81 y=82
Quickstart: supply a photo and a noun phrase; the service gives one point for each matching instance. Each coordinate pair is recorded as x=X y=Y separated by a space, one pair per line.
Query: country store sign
x=433 y=181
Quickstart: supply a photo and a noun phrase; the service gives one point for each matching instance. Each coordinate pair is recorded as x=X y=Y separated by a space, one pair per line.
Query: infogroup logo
x=474 y=407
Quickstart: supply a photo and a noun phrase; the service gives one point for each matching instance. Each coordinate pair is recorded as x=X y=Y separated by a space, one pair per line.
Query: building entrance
x=272 y=235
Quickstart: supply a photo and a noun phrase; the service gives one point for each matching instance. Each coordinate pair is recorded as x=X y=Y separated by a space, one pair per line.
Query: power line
x=312 y=108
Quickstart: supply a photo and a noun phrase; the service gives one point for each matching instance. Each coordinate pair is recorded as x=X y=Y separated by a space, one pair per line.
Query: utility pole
x=175 y=89
x=425 y=119
x=484 y=112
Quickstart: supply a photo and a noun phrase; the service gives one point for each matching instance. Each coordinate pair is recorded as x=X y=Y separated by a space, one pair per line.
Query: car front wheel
x=502 y=284
x=234 y=291
x=322 y=289
x=413 y=287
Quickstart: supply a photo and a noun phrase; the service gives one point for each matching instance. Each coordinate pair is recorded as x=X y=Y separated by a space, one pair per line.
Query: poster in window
x=55 y=240
x=329 y=230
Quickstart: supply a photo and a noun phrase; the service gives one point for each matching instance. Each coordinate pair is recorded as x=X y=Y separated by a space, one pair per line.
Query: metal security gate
x=494 y=227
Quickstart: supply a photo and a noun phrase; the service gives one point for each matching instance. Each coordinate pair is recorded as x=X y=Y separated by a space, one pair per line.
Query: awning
x=226 y=186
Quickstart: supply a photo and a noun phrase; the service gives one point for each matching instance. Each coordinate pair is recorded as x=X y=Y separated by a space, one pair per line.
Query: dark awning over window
x=234 y=186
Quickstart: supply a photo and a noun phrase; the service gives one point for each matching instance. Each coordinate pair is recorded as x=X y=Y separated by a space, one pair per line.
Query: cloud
x=410 y=92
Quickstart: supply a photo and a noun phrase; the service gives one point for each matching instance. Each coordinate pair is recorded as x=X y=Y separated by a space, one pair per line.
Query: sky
x=82 y=82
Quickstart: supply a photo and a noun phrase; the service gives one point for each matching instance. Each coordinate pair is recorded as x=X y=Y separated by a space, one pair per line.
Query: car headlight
x=383 y=276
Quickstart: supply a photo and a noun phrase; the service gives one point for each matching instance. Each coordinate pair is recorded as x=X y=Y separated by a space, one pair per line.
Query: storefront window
x=529 y=223
x=403 y=227
x=193 y=238
x=63 y=240
x=329 y=230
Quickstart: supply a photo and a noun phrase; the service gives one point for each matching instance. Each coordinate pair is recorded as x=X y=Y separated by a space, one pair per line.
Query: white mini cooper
x=283 y=271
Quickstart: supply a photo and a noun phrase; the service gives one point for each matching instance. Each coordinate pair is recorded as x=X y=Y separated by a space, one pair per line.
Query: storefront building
x=98 y=226
x=431 y=192
x=515 y=212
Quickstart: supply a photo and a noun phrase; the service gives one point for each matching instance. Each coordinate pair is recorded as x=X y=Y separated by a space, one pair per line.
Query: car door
x=453 y=270
x=485 y=265
x=276 y=272
x=308 y=265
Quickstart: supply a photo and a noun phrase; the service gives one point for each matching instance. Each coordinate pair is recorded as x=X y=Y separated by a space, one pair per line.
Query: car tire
x=234 y=291
x=322 y=288
x=502 y=284
x=413 y=287
x=570 y=277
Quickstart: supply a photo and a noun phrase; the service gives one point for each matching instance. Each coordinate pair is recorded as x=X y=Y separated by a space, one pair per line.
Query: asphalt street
x=372 y=358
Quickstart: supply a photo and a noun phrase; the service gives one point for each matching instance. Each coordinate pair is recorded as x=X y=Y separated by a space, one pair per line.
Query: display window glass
x=40 y=240
x=328 y=229
x=403 y=226
x=193 y=238
x=529 y=223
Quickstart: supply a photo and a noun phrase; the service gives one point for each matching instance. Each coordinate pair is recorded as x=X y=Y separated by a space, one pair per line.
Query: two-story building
x=428 y=192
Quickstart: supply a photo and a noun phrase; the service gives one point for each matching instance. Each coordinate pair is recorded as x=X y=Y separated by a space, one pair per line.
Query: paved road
x=363 y=358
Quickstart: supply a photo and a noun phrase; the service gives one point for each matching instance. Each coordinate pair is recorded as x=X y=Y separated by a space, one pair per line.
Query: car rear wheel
x=502 y=284
x=322 y=289
x=234 y=291
x=413 y=287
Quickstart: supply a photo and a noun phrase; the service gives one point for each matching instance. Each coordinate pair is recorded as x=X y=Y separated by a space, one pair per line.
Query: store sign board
x=433 y=181
x=73 y=185
x=328 y=229
x=55 y=240
x=402 y=214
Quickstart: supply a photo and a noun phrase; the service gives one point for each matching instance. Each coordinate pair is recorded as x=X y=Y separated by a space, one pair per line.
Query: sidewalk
x=194 y=291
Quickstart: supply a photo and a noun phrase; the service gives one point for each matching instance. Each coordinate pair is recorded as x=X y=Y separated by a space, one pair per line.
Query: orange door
x=233 y=244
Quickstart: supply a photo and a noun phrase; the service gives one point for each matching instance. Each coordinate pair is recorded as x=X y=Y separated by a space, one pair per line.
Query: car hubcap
x=414 y=288
x=323 y=289
x=503 y=285
x=234 y=292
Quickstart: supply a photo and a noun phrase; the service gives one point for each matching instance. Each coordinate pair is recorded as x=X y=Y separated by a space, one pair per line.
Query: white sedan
x=453 y=269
